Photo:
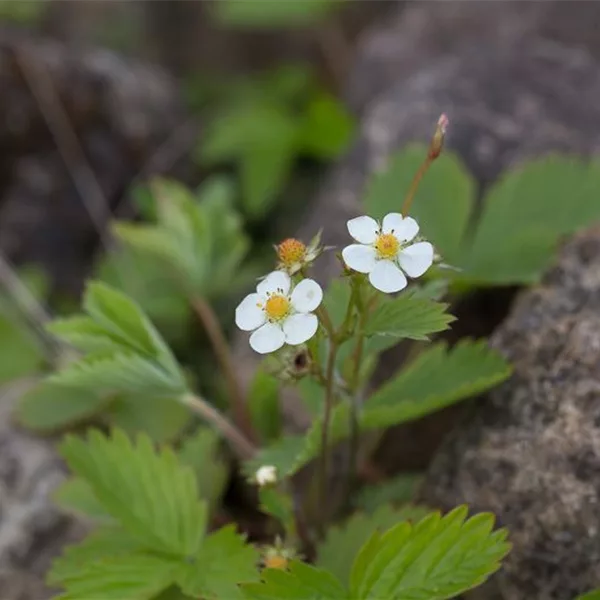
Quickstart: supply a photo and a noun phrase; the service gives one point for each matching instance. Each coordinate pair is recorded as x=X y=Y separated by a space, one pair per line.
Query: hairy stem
x=241 y=445
x=241 y=415
x=323 y=475
x=412 y=191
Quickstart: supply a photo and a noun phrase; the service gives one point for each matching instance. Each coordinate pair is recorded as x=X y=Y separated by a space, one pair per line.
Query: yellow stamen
x=387 y=245
x=277 y=307
x=291 y=252
x=276 y=562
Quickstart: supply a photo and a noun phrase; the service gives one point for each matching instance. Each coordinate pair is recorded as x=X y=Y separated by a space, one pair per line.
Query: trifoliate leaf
x=438 y=558
x=300 y=582
x=201 y=452
x=263 y=402
x=104 y=543
x=272 y=13
x=409 y=318
x=326 y=127
x=163 y=419
x=538 y=203
x=337 y=552
x=76 y=495
x=121 y=373
x=224 y=562
x=151 y=493
x=50 y=406
x=398 y=490
x=443 y=203
x=437 y=378
x=130 y=577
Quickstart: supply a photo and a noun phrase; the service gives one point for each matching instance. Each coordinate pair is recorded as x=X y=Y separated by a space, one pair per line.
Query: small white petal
x=248 y=315
x=363 y=229
x=416 y=259
x=360 y=258
x=266 y=474
x=274 y=282
x=268 y=338
x=300 y=328
x=407 y=230
x=392 y=221
x=387 y=277
x=307 y=295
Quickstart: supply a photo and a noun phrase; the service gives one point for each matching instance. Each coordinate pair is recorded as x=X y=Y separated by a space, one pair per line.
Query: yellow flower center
x=277 y=307
x=276 y=562
x=291 y=251
x=387 y=245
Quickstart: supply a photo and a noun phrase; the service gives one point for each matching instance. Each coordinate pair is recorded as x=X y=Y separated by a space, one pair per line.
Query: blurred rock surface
x=531 y=451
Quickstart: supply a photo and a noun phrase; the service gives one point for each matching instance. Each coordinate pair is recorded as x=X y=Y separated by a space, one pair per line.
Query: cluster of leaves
x=265 y=124
x=511 y=235
x=154 y=543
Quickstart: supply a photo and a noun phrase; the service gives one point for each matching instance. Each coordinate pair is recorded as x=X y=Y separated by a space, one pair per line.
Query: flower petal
x=360 y=258
x=363 y=229
x=416 y=259
x=406 y=230
x=387 y=277
x=307 y=295
x=392 y=221
x=300 y=328
x=248 y=315
x=268 y=338
x=274 y=282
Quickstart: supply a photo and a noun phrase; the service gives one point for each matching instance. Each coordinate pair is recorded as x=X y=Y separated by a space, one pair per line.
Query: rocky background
x=517 y=79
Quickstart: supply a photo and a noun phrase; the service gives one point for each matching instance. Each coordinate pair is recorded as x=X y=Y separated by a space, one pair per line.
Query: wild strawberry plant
x=159 y=506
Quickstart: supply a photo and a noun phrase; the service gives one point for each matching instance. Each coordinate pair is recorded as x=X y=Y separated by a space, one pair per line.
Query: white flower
x=279 y=314
x=382 y=251
x=266 y=474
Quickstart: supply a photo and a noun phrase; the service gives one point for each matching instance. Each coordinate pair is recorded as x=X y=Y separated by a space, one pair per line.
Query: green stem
x=241 y=414
x=329 y=398
x=241 y=445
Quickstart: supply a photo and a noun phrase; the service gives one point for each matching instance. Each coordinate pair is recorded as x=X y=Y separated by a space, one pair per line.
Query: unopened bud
x=267 y=474
x=437 y=142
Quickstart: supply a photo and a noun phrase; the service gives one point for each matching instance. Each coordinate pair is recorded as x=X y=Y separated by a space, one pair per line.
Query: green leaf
x=336 y=553
x=438 y=558
x=300 y=582
x=49 y=406
x=593 y=595
x=538 y=203
x=120 y=373
x=398 y=490
x=263 y=403
x=76 y=495
x=200 y=451
x=130 y=577
x=25 y=355
x=264 y=171
x=272 y=13
x=326 y=128
x=104 y=543
x=85 y=334
x=336 y=299
x=163 y=419
x=437 y=378
x=151 y=493
x=443 y=203
x=224 y=562
x=279 y=505
x=123 y=318
x=408 y=317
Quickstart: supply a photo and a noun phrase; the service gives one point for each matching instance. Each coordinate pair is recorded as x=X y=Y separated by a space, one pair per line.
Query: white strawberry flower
x=382 y=251
x=278 y=314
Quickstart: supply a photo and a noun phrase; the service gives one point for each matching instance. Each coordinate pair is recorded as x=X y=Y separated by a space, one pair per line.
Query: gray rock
x=531 y=451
